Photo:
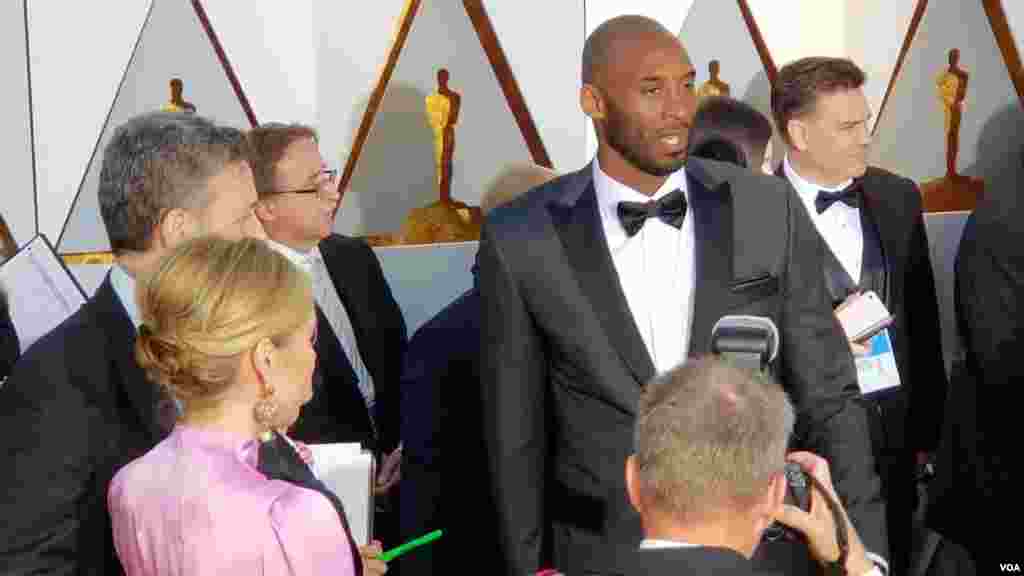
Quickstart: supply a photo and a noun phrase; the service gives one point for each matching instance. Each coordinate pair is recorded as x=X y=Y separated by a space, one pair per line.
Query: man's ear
x=797 y=129
x=266 y=210
x=592 y=102
x=633 y=482
x=176 y=226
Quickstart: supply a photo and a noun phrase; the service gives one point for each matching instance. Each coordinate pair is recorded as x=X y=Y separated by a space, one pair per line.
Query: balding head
x=601 y=44
x=513 y=181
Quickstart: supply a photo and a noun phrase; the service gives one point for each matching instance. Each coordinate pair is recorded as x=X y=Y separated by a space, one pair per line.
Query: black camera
x=798 y=493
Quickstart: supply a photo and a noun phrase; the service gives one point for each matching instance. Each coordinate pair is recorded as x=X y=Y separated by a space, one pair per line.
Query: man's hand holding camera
x=818 y=524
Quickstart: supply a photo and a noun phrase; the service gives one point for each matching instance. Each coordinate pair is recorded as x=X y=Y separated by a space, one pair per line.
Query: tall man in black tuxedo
x=361 y=335
x=873 y=230
x=978 y=467
x=584 y=300
x=707 y=475
x=77 y=407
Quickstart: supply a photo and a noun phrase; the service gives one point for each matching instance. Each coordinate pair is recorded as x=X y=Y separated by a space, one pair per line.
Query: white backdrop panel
x=350 y=54
x=547 y=72
x=78 y=55
x=395 y=172
x=173 y=44
x=1014 y=10
x=911 y=138
x=271 y=51
x=17 y=203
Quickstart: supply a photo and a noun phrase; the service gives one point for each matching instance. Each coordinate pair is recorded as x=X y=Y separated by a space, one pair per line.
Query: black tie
x=849 y=196
x=279 y=461
x=670 y=209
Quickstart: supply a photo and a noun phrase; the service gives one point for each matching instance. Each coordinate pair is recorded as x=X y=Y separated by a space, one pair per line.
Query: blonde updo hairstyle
x=210 y=301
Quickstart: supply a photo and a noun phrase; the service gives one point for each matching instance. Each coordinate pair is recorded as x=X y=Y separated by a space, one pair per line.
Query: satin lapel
x=889 y=224
x=125 y=372
x=579 y=227
x=711 y=210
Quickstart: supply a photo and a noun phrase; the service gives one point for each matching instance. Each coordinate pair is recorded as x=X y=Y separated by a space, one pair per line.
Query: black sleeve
x=924 y=340
x=513 y=372
x=10 y=347
x=45 y=431
x=819 y=374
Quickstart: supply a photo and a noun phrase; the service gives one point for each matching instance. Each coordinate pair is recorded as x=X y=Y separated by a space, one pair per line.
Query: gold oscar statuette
x=953 y=191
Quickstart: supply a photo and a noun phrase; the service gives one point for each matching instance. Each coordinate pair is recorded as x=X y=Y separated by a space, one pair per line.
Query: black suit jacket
x=978 y=466
x=563 y=362
x=337 y=412
x=10 y=346
x=440 y=388
x=914 y=420
x=692 y=561
x=75 y=410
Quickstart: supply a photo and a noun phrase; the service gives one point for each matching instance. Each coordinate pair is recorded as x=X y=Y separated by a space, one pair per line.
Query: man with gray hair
x=707 y=473
x=77 y=407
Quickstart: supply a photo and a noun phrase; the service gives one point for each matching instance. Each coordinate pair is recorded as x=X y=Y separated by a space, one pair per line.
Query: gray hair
x=709 y=435
x=156 y=162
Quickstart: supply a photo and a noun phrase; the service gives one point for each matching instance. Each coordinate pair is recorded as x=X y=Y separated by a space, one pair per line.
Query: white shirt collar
x=805 y=187
x=656 y=543
x=304 y=260
x=610 y=192
x=124 y=287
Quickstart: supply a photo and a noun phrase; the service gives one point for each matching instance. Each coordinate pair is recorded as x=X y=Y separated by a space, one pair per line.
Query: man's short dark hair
x=729 y=130
x=156 y=162
x=267 y=145
x=799 y=84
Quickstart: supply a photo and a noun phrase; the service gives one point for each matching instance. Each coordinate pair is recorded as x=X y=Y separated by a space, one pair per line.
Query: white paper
x=41 y=292
x=349 y=472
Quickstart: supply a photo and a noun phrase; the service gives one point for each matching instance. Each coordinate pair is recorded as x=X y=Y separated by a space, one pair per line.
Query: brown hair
x=708 y=436
x=267 y=145
x=210 y=301
x=720 y=118
x=798 y=85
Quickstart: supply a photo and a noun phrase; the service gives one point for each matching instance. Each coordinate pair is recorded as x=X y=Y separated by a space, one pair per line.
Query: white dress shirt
x=655 y=268
x=330 y=304
x=653 y=544
x=839 y=225
x=124 y=288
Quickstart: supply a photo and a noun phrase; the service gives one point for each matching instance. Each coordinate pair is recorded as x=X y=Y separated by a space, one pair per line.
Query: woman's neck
x=234 y=419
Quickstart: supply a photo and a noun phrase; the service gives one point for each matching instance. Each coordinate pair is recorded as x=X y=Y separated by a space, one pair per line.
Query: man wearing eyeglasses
x=77 y=407
x=361 y=332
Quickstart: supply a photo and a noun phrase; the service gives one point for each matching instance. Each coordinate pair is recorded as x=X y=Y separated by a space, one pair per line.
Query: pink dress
x=196 y=505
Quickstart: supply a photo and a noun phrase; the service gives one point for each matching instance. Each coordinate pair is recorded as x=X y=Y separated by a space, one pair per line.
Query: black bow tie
x=849 y=196
x=670 y=209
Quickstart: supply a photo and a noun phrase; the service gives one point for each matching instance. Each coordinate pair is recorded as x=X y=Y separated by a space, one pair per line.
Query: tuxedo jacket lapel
x=710 y=205
x=888 y=222
x=578 y=222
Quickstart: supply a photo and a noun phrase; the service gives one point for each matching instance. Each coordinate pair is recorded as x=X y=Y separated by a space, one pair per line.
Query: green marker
x=411 y=544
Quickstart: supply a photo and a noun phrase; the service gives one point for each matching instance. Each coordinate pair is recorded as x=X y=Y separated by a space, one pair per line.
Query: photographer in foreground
x=707 y=476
